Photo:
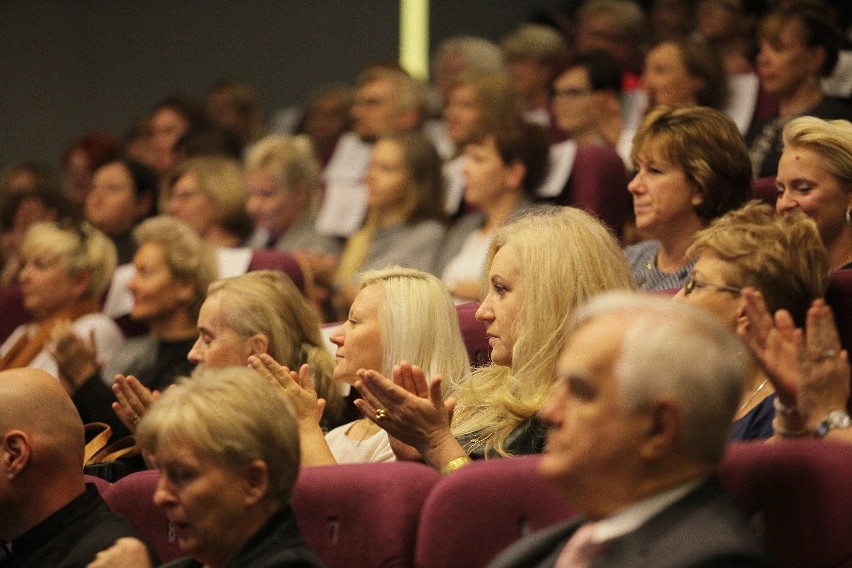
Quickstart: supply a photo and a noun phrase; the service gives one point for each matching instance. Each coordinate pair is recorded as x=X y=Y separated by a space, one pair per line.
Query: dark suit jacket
x=703 y=529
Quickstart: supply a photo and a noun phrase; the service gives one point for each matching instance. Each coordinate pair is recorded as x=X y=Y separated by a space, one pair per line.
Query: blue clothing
x=757 y=424
x=642 y=259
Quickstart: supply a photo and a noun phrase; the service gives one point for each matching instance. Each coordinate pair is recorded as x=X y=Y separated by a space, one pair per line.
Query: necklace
x=754 y=394
x=368 y=430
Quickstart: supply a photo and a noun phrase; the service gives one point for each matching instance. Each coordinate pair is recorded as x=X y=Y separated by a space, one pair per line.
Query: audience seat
x=839 y=297
x=360 y=515
x=102 y=484
x=270 y=259
x=477 y=511
x=598 y=184
x=133 y=497
x=799 y=490
x=765 y=190
x=473 y=332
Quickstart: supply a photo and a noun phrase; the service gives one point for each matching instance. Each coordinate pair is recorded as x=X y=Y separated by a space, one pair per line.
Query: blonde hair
x=541 y=43
x=187 y=255
x=267 y=302
x=419 y=323
x=221 y=179
x=410 y=95
x=80 y=249
x=831 y=139
x=289 y=160
x=781 y=256
x=566 y=257
x=232 y=416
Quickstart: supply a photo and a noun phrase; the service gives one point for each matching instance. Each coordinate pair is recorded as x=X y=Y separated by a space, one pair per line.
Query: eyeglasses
x=692 y=283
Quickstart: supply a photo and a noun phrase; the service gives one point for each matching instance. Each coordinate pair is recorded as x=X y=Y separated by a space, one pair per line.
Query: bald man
x=48 y=515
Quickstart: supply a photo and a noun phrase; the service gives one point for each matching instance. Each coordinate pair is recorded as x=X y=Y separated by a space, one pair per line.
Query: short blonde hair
x=566 y=257
x=221 y=179
x=289 y=160
x=410 y=94
x=232 y=416
x=187 y=255
x=80 y=249
x=535 y=41
x=432 y=342
x=831 y=139
x=781 y=256
x=267 y=302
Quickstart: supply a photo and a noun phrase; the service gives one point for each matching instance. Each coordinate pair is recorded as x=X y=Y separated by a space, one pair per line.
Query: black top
x=71 y=537
x=527 y=438
x=277 y=544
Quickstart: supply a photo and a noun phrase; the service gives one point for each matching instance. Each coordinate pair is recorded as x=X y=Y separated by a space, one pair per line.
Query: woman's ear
x=515 y=174
x=255 y=479
x=82 y=282
x=259 y=344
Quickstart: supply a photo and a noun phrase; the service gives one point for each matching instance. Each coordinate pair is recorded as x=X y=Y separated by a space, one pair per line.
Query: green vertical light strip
x=414 y=37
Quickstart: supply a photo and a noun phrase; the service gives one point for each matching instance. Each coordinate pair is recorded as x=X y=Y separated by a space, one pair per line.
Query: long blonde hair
x=566 y=257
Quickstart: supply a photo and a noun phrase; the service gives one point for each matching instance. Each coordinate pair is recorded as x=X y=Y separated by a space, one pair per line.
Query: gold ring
x=381 y=413
x=135 y=419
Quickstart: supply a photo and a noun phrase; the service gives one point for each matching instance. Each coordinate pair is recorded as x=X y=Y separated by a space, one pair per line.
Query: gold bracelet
x=455 y=464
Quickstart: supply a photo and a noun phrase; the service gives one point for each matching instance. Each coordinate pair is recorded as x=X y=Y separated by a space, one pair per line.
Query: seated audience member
x=122 y=193
x=532 y=52
x=227 y=447
x=172 y=270
x=618 y=27
x=327 y=119
x=80 y=161
x=404 y=226
x=684 y=72
x=208 y=193
x=387 y=101
x=799 y=45
x=808 y=367
x=815 y=177
x=502 y=171
x=18 y=211
x=586 y=101
x=259 y=312
x=783 y=258
x=170 y=119
x=460 y=55
x=283 y=186
x=385 y=328
x=729 y=29
x=66 y=268
x=540 y=268
x=235 y=108
x=634 y=449
x=50 y=516
x=26 y=176
x=477 y=104
x=692 y=166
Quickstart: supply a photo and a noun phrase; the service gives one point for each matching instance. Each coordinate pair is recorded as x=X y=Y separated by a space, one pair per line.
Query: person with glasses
x=784 y=259
x=65 y=268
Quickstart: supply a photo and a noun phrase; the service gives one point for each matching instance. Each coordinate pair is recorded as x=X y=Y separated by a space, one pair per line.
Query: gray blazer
x=703 y=529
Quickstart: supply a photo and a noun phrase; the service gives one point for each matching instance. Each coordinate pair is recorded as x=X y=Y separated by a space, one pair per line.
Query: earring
x=849 y=217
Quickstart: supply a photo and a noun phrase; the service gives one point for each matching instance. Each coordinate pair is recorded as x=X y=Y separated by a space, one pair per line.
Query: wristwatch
x=836 y=419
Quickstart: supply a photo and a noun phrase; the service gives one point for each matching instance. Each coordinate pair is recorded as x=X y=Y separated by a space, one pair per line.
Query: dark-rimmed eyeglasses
x=692 y=283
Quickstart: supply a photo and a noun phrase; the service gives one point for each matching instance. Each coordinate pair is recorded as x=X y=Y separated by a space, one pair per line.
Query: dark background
x=73 y=66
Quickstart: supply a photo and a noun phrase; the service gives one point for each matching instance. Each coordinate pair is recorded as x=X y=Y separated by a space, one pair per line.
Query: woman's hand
x=75 y=358
x=134 y=400
x=824 y=385
x=410 y=411
x=774 y=344
x=299 y=387
x=126 y=551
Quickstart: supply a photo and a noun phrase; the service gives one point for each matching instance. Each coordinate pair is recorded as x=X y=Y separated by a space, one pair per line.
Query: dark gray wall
x=72 y=66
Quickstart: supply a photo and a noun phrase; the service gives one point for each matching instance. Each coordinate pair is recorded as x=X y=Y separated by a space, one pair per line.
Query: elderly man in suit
x=638 y=426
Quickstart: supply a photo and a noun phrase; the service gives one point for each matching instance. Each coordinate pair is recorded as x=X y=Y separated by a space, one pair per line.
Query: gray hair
x=671 y=348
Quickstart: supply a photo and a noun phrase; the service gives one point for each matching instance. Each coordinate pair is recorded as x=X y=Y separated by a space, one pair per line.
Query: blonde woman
x=404 y=226
x=399 y=314
x=65 y=268
x=539 y=269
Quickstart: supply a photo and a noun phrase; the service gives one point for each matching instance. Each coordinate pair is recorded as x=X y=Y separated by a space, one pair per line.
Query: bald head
x=35 y=403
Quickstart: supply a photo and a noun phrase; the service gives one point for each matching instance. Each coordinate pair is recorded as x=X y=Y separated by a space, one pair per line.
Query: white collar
x=634 y=516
